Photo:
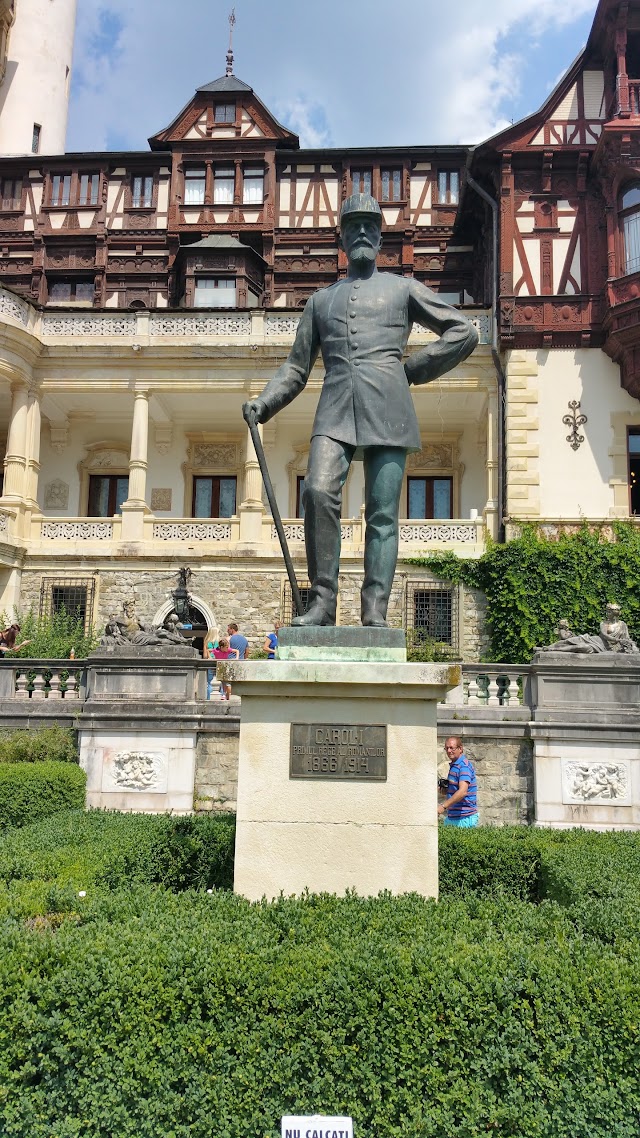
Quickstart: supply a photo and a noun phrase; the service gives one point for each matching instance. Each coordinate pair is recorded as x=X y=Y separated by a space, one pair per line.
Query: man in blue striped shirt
x=461 y=807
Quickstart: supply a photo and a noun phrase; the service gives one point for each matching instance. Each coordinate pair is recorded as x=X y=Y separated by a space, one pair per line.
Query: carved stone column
x=135 y=507
x=251 y=507
x=15 y=462
x=491 y=466
x=34 y=420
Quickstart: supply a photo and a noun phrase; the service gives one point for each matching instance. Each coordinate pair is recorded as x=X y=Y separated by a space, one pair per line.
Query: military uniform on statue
x=361 y=326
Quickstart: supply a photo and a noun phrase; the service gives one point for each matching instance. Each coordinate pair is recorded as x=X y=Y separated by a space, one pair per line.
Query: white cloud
x=356 y=74
x=306 y=119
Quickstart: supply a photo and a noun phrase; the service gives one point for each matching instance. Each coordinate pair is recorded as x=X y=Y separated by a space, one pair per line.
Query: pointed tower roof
x=225 y=83
x=194 y=123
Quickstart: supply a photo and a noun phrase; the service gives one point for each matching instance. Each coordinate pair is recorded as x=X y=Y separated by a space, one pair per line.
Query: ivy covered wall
x=535 y=580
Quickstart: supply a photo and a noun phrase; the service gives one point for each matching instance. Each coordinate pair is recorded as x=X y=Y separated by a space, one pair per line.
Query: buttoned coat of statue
x=361 y=326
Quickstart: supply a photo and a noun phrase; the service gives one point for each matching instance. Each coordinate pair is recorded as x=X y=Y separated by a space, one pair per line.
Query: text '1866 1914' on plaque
x=348 y=751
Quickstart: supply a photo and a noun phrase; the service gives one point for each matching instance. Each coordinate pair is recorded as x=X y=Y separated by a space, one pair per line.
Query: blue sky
x=361 y=73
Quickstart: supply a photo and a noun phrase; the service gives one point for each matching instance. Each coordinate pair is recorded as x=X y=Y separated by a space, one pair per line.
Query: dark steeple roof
x=226 y=83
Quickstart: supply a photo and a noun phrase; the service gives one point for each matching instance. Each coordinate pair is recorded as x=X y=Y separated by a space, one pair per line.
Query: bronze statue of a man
x=361 y=325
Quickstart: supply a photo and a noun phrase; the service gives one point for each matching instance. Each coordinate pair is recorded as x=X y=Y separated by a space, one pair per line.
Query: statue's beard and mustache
x=362 y=253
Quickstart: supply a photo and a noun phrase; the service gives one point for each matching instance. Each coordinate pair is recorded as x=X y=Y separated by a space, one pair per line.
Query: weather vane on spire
x=232 y=20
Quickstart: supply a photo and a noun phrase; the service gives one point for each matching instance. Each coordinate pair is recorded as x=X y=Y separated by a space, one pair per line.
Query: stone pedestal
x=139 y=728
x=318 y=808
x=586 y=737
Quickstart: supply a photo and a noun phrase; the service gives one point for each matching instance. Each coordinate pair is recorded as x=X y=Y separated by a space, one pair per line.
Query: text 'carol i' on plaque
x=348 y=751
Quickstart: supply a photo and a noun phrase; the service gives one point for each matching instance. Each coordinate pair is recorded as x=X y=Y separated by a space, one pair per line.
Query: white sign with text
x=316 y=1126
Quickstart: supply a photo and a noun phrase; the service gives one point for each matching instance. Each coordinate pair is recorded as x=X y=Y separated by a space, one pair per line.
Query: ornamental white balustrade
x=255 y=327
x=415 y=536
x=79 y=529
x=218 y=530
x=438 y=534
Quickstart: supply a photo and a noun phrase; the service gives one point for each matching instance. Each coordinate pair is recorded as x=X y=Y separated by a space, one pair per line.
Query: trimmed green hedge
x=102 y=848
x=134 y=1010
x=30 y=791
x=47 y=744
x=140 y=1013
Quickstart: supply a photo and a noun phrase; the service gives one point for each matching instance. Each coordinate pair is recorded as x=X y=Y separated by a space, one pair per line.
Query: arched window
x=630 y=216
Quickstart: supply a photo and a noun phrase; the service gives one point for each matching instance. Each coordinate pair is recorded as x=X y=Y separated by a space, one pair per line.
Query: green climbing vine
x=533 y=581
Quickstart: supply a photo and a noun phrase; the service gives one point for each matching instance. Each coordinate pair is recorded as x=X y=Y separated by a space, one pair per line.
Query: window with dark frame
x=74 y=595
x=35 y=138
x=11 y=193
x=60 y=189
x=225 y=113
x=361 y=181
x=142 y=191
x=431 y=613
x=391 y=185
x=214 y=496
x=194 y=185
x=633 y=456
x=287 y=599
x=223 y=185
x=107 y=492
x=429 y=497
x=253 y=185
x=448 y=187
x=629 y=213
x=67 y=290
x=88 y=188
x=299 y=493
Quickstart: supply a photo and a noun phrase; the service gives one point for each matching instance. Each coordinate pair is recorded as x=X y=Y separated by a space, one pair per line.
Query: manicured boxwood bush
x=30 y=791
x=47 y=744
x=490 y=861
x=140 y=1009
x=143 y=1012
x=109 y=849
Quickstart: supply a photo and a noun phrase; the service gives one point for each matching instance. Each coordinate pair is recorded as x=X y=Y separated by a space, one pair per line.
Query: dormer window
x=60 y=189
x=253 y=186
x=448 y=187
x=391 y=185
x=361 y=181
x=11 y=193
x=142 y=191
x=194 y=185
x=88 y=189
x=225 y=113
x=630 y=217
x=223 y=185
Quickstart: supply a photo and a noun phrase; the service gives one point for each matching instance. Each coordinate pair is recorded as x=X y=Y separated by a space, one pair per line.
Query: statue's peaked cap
x=360 y=205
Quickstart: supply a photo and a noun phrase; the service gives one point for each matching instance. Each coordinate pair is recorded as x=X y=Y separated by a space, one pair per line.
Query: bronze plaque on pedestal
x=352 y=752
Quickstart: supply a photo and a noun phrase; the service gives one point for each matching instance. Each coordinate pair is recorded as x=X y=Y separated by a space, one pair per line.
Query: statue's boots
x=321 y=612
x=372 y=617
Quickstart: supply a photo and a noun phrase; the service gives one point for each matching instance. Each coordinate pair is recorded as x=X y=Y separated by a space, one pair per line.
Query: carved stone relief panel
x=220 y=455
x=596 y=783
x=56 y=495
x=433 y=456
x=135 y=770
x=161 y=499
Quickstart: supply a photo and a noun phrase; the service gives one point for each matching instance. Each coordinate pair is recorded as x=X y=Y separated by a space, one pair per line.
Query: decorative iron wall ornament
x=574 y=420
